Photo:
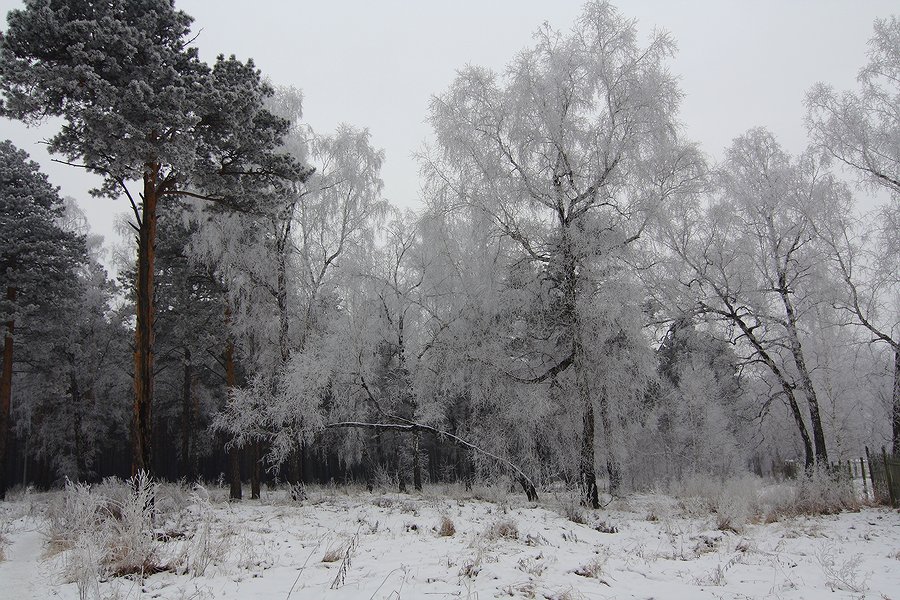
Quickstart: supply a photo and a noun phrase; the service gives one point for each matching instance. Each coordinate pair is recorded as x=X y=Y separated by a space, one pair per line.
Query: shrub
x=738 y=500
x=817 y=492
x=109 y=529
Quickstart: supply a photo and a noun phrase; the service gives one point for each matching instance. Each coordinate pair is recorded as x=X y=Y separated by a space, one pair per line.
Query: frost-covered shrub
x=132 y=547
x=71 y=516
x=818 y=492
x=734 y=501
x=107 y=530
x=738 y=500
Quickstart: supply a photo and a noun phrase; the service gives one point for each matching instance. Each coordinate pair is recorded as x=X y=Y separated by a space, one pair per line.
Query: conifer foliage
x=37 y=258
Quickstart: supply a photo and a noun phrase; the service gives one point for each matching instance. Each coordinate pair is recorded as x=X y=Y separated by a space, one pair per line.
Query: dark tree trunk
x=6 y=391
x=141 y=426
x=187 y=418
x=254 y=470
x=895 y=404
x=234 y=473
x=809 y=457
x=587 y=477
x=294 y=473
x=76 y=396
x=401 y=471
x=417 y=468
x=282 y=301
x=234 y=455
x=806 y=384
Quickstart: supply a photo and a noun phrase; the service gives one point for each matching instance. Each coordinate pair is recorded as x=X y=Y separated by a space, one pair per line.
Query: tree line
x=582 y=287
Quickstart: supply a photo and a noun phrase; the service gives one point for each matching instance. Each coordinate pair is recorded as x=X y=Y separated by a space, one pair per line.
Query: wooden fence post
x=887 y=476
x=862 y=469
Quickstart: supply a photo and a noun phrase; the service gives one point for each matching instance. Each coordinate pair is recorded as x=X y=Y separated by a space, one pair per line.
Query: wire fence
x=875 y=477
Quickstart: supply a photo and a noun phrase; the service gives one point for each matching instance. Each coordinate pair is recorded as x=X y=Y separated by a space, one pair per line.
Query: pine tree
x=37 y=258
x=139 y=106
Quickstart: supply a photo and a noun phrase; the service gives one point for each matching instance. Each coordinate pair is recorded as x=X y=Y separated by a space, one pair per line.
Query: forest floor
x=346 y=543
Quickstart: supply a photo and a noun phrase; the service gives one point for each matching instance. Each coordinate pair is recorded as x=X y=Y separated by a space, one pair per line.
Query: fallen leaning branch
x=412 y=427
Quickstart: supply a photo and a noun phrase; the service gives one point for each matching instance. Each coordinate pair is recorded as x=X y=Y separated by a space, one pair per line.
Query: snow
x=388 y=546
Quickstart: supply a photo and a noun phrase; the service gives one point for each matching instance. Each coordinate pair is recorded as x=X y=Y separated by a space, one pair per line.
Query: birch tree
x=570 y=152
x=327 y=224
x=861 y=131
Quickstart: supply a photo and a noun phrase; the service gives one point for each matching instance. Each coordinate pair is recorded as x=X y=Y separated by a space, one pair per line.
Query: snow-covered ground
x=444 y=544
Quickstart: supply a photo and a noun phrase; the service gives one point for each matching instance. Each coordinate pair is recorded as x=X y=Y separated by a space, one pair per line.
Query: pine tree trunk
x=141 y=426
x=187 y=418
x=895 y=404
x=6 y=391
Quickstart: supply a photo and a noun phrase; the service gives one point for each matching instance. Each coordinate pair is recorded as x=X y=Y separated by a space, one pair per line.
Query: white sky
x=376 y=64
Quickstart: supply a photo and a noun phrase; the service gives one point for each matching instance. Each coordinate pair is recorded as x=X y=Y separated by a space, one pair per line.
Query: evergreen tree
x=37 y=258
x=139 y=106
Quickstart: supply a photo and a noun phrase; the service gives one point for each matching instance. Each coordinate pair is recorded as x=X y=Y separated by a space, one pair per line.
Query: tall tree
x=570 y=154
x=139 y=106
x=37 y=259
x=861 y=130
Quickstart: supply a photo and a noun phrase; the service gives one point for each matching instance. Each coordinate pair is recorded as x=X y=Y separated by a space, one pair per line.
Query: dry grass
x=334 y=554
x=594 y=569
x=446 y=528
x=504 y=528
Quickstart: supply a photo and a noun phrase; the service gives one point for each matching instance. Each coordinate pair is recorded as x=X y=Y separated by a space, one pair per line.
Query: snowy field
x=345 y=543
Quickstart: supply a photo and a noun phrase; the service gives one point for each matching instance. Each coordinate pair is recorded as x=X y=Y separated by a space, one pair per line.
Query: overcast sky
x=375 y=64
